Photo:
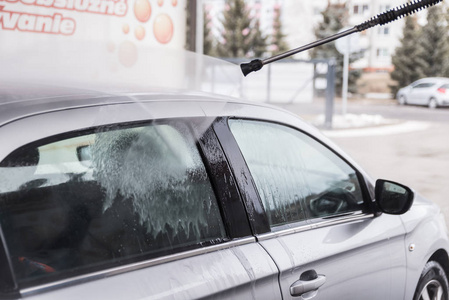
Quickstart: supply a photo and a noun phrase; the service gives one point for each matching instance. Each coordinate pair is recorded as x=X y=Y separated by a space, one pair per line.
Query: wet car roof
x=18 y=101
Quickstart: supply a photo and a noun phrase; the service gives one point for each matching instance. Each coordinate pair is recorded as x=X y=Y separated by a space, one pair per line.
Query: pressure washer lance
x=381 y=19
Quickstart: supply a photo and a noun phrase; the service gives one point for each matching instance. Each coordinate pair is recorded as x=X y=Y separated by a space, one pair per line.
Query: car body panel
x=358 y=257
x=427 y=232
x=240 y=272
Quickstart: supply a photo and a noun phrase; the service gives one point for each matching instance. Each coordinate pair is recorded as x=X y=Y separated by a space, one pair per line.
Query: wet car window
x=105 y=198
x=296 y=176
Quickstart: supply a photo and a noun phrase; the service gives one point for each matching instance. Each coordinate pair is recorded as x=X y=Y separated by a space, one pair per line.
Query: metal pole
x=309 y=46
x=191 y=7
x=213 y=78
x=269 y=84
x=199 y=27
x=314 y=81
x=344 y=92
x=330 y=93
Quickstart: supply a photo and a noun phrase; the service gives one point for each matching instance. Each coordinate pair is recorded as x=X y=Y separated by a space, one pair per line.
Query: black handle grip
x=396 y=13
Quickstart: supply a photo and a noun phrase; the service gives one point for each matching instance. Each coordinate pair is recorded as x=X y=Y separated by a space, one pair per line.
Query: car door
x=421 y=93
x=145 y=210
x=322 y=233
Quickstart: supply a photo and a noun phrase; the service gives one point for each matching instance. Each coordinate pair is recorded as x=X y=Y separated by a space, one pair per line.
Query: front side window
x=296 y=176
x=110 y=197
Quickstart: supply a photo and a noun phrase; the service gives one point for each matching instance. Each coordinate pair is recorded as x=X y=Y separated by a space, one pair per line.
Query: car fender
x=426 y=233
x=402 y=92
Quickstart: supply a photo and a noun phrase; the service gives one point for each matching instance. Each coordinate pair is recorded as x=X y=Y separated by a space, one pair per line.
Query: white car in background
x=432 y=91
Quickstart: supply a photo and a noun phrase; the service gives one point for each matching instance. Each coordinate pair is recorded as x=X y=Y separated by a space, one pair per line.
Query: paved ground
x=418 y=157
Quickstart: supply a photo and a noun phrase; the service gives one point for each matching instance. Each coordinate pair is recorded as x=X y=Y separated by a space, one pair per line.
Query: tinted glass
x=296 y=176
x=424 y=85
x=106 y=198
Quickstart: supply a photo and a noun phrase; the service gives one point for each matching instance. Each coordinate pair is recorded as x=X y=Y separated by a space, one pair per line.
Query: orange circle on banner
x=142 y=10
x=127 y=54
x=160 y=2
x=174 y=2
x=163 y=28
x=139 y=32
x=125 y=28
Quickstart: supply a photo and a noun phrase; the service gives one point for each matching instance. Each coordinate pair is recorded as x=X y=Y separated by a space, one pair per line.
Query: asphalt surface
x=418 y=157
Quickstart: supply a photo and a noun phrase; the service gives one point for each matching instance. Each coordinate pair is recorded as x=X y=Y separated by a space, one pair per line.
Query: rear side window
x=296 y=177
x=106 y=198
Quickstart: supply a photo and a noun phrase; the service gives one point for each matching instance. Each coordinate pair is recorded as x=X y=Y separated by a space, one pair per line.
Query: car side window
x=423 y=85
x=296 y=176
x=106 y=198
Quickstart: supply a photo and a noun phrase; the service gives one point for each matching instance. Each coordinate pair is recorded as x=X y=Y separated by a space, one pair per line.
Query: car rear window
x=105 y=198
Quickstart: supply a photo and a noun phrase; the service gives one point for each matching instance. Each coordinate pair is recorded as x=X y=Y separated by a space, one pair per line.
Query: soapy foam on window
x=153 y=168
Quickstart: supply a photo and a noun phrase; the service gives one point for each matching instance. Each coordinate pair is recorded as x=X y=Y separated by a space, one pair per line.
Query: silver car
x=173 y=195
x=432 y=92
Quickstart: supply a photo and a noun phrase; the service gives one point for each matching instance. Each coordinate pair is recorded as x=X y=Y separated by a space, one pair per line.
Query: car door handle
x=308 y=282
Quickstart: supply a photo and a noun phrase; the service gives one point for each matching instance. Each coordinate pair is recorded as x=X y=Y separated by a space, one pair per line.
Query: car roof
x=27 y=99
x=434 y=79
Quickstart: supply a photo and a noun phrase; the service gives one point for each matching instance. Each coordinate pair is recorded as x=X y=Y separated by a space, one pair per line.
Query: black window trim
x=238 y=233
x=263 y=229
x=248 y=192
x=223 y=181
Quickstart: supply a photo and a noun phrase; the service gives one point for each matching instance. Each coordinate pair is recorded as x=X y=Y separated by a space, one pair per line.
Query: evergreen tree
x=258 y=41
x=335 y=17
x=434 y=44
x=278 y=43
x=236 y=36
x=408 y=67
